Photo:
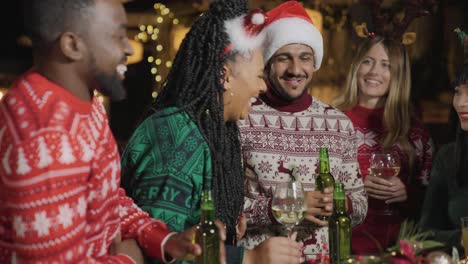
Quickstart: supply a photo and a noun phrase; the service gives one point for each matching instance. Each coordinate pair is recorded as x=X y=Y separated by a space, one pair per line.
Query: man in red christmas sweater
x=60 y=200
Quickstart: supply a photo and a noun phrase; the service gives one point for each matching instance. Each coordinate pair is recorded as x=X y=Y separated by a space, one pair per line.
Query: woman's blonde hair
x=397 y=109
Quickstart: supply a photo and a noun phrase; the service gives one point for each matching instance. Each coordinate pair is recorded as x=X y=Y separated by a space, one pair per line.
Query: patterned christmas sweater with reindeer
x=278 y=137
x=60 y=200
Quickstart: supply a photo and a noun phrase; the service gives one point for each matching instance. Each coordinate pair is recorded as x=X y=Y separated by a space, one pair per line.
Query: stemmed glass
x=386 y=166
x=464 y=227
x=288 y=204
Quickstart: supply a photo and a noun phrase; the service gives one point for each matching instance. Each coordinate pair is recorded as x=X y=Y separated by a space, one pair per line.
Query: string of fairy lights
x=151 y=32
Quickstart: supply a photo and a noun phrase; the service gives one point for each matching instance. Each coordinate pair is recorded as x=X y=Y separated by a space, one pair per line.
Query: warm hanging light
x=152 y=32
x=316 y=17
x=3 y=92
x=137 y=52
x=178 y=34
x=24 y=41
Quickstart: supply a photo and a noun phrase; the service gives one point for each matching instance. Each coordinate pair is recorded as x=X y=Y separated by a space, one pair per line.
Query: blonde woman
x=377 y=100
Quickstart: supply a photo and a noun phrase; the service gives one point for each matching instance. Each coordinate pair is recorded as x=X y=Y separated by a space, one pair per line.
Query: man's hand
x=393 y=190
x=182 y=245
x=241 y=227
x=130 y=248
x=117 y=240
x=275 y=250
x=319 y=203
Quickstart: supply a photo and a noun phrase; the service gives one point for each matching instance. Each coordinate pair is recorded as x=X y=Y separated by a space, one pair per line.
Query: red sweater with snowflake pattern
x=379 y=230
x=60 y=200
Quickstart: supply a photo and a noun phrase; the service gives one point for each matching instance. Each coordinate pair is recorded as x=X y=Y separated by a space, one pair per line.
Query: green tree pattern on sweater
x=165 y=165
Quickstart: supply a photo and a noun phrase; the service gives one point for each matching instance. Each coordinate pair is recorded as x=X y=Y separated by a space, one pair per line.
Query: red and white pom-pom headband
x=245 y=32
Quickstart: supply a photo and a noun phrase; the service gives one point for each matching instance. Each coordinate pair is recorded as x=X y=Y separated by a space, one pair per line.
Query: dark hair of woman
x=461 y=140
x=194 y=85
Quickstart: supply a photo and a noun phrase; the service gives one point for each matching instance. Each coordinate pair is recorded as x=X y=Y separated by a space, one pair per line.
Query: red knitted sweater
x=60 y=200
x=383 y=229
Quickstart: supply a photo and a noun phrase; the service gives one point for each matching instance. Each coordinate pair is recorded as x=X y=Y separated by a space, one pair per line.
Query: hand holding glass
x=288 y=204
x=385 y=166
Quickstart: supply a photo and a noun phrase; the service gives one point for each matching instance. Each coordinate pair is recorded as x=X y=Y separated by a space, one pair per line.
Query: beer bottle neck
x=207 y=207
x=339 y=205
x=324 y=166
x=339 y=198
x=324 y=161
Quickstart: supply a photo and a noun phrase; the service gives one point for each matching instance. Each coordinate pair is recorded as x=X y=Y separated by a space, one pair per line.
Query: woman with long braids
x=191 y=140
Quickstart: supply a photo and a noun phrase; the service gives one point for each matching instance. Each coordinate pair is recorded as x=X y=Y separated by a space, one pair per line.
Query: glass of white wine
x=385 y=166
x=288 y=204
x=464 y=227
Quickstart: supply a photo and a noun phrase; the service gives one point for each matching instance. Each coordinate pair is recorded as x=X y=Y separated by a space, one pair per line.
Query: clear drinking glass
x=386 y=166
x=464 y=227
x=288 y=205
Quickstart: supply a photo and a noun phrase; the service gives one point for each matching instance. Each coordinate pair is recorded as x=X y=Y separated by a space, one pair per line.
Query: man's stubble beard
x=108 y=85
x=281 y=92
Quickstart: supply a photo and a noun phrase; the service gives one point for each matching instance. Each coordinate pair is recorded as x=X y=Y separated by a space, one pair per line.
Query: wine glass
x=464 y=227
x=288 y=204
x=385 y=166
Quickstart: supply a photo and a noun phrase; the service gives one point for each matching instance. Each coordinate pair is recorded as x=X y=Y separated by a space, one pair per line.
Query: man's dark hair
x=194 y=85
x=45 y=20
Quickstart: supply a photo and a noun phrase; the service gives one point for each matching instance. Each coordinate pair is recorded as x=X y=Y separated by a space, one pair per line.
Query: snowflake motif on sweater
x=60 y=200
x=369 y=130
x=273 y=142
x=368 y=124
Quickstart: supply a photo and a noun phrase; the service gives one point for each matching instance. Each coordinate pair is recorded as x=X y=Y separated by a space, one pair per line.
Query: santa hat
x=245 y=32
x=289 y=23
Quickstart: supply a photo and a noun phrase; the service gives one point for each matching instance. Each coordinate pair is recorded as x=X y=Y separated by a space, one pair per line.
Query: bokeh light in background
x=137 y=55
x=151 y=34
x=3 y=92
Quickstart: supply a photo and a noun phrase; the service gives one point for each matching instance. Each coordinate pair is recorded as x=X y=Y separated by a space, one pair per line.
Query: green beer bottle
x=339 y=227
x=207 y=233
x=324 y=179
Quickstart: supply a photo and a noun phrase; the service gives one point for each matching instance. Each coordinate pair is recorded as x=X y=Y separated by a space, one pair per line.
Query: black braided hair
x=194 y=85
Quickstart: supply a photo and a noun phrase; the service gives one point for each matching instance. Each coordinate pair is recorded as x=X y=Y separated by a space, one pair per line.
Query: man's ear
x=72 y=46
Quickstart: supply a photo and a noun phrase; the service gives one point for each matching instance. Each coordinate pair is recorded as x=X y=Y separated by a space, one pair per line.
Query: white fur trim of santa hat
x=241 y=40
x=292 y=30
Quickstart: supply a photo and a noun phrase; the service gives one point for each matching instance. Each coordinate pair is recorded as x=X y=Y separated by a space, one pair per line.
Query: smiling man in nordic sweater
x=285 y=129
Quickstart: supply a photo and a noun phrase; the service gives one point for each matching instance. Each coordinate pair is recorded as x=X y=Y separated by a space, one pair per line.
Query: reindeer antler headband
x=391 y=26
x=464 y=40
